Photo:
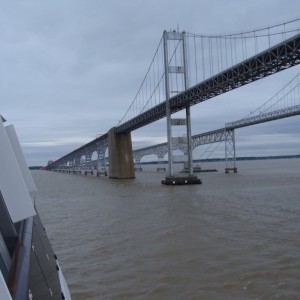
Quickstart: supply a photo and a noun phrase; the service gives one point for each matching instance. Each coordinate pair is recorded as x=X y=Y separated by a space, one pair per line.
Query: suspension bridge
x=284 y=104
x=186 y=70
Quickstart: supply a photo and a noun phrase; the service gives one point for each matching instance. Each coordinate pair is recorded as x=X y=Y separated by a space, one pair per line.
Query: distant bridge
x=226 y=72
x=225 y=134
x=271 y=61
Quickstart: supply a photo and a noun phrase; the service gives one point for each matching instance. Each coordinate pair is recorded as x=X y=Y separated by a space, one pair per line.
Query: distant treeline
x=238 y=159
x=35 y=167
x=211 y=160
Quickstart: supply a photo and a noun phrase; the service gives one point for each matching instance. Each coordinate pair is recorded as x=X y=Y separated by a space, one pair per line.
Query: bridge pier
x=230 y=156
x=137 y=165
x=121 y=164
x=180 y=69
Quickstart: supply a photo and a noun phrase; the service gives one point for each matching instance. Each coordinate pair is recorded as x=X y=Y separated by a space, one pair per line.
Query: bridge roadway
x=219 y=135
x=214 y=136
x=265 y=117
x=280 y=57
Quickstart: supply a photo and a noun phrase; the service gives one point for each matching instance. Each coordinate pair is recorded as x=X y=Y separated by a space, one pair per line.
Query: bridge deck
x=218 y=135
x=265 y=117
x=280 y=57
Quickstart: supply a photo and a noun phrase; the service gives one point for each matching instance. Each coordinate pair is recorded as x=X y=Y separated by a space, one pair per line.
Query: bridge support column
x=121 y=164
x=137 y=164
x=177 y=68
x=230 y=151
x=101 y=167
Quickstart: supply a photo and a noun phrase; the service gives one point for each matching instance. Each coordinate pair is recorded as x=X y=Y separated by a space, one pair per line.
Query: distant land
x=211 y=160
x=237 y=159
x=253 y=158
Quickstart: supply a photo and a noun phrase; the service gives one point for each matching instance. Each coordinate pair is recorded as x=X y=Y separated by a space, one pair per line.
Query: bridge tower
x=121 y=164
x=230 y=151
x=101 y=166
x=176 y=70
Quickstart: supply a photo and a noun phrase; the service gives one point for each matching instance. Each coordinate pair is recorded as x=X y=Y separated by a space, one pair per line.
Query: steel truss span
x=219 y=135
x=265 y=117
x=280 y=57
x=277 y=58
x=160 y=150
x=100 y=144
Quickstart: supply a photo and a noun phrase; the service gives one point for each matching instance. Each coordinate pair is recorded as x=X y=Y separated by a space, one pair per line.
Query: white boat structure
x=28 y=266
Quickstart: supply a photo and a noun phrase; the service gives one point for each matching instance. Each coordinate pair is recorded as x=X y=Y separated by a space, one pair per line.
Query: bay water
x=236 y=236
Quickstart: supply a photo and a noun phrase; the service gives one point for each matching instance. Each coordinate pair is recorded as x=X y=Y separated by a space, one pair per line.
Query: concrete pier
x=121 y=165
x=181 y=180
x=228 y=170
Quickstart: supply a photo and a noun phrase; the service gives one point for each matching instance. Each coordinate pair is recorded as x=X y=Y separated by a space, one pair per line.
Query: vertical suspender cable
x=157 y=75
x=195 y=55
x=246 y=55
x=235 y=50
x=231 y=50
x=218 y=62
x=210 y=56
x=203 y=65
x=226 y=59
x=242 y=46
x=255 y=43
x=220 y=44
x=176 y=74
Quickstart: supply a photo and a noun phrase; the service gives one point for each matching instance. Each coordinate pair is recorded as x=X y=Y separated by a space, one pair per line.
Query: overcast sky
x=69 y=69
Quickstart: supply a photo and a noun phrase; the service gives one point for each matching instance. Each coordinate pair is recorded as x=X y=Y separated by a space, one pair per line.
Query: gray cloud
x=70 y=69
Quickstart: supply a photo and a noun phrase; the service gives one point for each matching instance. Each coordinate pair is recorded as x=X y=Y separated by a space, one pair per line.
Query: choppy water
x=236 y=236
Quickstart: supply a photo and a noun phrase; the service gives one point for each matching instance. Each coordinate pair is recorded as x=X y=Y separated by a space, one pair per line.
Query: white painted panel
x=12 y=184
x=174 y=35
x=178 y=122
x=14 y=141
x=179 y=140
x=180 y=158
x=63 y=283
x=4 y=252
x=176 y=69
x=4 y=293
